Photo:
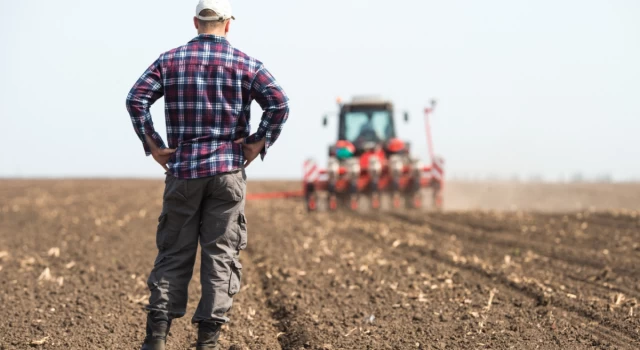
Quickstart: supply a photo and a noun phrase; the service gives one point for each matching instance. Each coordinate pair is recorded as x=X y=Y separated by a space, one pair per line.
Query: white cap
x=222 y=8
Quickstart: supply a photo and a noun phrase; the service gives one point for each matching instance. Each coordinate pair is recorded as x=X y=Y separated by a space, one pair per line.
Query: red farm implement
x=369 y=162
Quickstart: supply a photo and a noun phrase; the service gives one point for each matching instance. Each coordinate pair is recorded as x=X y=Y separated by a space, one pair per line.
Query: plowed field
x=506 y=267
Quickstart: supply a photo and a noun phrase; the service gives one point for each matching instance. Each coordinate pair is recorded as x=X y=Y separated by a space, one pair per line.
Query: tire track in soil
x=540 y=299
x=606 y=327
x=548 y=251
x=558 y=268
x=515 y=240
x=252 y=325
x=292 y=335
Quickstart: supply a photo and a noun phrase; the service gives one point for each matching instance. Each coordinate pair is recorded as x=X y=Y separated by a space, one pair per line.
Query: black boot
x=157 y=329
x=208 y=334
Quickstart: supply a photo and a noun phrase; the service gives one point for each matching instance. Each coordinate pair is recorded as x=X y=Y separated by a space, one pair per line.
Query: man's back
x=208 y=87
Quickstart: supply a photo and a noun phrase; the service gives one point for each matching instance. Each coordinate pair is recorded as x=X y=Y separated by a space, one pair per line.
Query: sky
x=542 y=87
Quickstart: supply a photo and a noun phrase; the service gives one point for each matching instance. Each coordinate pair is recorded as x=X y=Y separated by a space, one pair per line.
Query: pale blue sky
x=546 y=86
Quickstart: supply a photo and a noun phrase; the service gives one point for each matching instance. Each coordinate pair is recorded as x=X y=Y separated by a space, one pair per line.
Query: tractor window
x=354 y=123
x=381 y=121
x=363 y=126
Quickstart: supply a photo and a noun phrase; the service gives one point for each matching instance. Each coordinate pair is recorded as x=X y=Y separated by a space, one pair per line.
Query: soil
x=534 y=270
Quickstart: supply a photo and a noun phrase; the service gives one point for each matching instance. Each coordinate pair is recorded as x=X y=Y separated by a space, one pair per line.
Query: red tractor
x=369 y=162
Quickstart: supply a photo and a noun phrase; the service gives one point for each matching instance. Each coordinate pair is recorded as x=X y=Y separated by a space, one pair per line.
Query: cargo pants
x=209 y=210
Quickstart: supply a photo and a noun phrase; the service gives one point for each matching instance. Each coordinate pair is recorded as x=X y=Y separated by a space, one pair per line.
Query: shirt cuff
x=156 y=138
x=267 y=144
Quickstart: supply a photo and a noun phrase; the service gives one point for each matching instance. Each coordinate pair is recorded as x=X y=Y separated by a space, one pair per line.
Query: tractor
x=369 y=162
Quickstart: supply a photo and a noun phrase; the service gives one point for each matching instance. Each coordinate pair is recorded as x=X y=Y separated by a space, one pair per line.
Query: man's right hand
x=251 y=150
x=161 y=155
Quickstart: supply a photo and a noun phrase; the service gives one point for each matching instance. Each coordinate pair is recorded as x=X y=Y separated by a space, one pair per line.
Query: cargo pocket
x=166 y=235
x=236 y=275
x=242 y=232
x=229 y=187
x=175 y=189
x=174 y=212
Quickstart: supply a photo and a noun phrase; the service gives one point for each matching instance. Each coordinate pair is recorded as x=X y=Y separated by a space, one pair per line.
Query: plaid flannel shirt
x=208 y=88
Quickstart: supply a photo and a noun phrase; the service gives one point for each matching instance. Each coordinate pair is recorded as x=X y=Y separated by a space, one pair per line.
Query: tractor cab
x=365 y=124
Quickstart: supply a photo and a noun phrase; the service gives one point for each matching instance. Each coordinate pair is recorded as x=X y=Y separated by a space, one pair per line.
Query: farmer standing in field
x=208 y=88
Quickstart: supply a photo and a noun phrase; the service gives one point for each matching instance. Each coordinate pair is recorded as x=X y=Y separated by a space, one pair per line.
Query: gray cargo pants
x=210 y=210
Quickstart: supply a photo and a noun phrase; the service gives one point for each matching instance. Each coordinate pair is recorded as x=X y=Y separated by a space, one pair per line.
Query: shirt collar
x=210 y=38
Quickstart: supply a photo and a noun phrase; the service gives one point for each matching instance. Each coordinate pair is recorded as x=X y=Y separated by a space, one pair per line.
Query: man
x=208 y=88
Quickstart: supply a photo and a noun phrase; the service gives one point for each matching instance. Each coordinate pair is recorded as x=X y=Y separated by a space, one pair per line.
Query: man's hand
x=251 y=150
x=161 y=155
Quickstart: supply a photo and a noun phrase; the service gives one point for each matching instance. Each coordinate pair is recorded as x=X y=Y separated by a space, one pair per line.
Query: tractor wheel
x=354 y=203
x=333 y=203
x=311 y=198
x=375 y=202
x=312 y=202
x=438 y=200
x=416 y=200
x=395 y=201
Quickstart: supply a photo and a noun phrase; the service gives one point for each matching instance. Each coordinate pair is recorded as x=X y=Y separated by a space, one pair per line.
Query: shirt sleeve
x=144 y=93
x=275 y=106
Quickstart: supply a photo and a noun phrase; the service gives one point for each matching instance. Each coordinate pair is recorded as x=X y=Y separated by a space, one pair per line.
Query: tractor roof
x=368 y=100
